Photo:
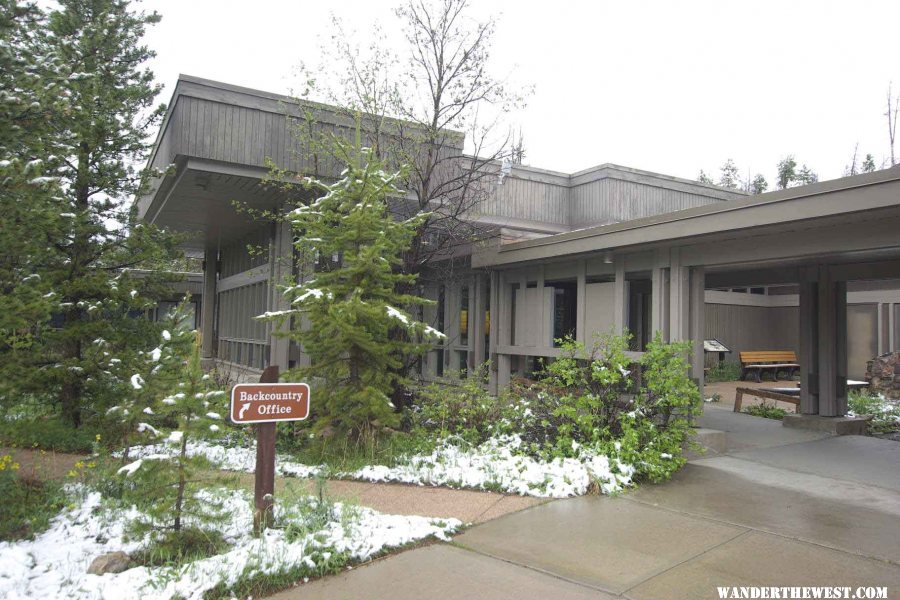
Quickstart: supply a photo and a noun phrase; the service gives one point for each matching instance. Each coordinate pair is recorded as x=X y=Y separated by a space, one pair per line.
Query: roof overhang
x=845 y=200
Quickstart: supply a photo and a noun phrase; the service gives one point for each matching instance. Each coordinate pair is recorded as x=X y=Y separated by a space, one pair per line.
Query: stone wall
x=883 y=375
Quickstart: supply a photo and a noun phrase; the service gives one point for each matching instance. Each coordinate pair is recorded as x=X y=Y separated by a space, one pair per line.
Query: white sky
x=665 y=86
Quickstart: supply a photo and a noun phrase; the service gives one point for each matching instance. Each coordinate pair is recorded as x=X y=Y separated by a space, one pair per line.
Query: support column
x=697 y=325
x=679 y=286
x=545 y=329
x=620 y=301
x=280 y=264
x=659 y=300
x=477 y=310
x=208 y=306
x=494 y=319
x=832 y=321
x=809 y=343
x=581 y=334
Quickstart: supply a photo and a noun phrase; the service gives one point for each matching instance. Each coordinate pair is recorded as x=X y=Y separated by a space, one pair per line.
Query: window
x=565 y=308
x=464 y=316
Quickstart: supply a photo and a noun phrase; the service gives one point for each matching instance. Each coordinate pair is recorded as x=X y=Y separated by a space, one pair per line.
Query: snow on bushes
x=54 y=564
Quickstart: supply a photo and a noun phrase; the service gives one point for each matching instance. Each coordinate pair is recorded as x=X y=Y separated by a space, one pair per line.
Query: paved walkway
x=781 y=507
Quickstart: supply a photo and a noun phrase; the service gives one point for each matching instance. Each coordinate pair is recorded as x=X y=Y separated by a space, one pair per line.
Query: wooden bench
x=768 y=360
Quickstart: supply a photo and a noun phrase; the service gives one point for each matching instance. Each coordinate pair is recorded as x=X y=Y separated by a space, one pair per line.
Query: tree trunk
x=182 y=482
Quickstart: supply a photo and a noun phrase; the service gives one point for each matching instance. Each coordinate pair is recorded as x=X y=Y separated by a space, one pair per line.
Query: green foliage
x=177 y=548
x=170 y=489
x=47 y=433
x=79 y=131
x=355 y=327
x=340 y=454
x=885 y=415
x=758 y=185
x=27 y=504
x=724 y=371
x=463 y=409
x=765 y=410
x=589 y=400
x=730 y=175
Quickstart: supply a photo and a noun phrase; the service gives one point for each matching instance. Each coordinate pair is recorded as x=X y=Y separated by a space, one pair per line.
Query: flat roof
x=823 y=199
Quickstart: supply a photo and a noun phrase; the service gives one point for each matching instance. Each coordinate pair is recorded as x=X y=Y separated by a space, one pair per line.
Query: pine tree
x=30 y=97
x=758 y=185
x=868 y=164
x=178 y=404
x=704 y=178
x=730 y=176
x=351 y=307
x=787 y=172
x=101 y=137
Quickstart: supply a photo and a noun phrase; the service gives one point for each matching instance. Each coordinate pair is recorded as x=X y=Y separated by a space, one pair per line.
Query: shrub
x=27 y=504
x=765 y=410
x=464 y=410
x=47 y=433
x=724 y=371
x=588 y=401
x=885 y=414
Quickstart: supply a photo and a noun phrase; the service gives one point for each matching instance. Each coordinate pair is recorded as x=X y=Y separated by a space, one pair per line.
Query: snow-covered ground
x=54 y=564
x=493 y=465
x=228 y=458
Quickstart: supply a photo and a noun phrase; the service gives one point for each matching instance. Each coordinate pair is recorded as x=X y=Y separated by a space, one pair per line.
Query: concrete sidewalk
x=782 y=507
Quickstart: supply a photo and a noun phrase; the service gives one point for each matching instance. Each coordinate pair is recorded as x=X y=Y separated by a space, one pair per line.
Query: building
x=607 y=248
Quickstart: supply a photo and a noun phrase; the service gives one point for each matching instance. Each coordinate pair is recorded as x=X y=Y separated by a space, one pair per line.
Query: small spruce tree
x=351 y=310
x=168 y=486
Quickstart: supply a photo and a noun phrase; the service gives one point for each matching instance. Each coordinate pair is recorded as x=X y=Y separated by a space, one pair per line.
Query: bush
x=765 y=410
x=464 y=410
x=724 y=371
x=589 y=402
x=27 y=504
x=47 y=433
x=885 y=415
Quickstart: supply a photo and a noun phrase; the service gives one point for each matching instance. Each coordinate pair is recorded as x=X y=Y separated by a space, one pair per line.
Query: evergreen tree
x=758 y=185
x=730 y=176
x=787 y=172
x=351 y=309
x=101 y=139
x=178 y=404
x=806 y=176
x=868 y=164
x=30 y=97
x=704 y=178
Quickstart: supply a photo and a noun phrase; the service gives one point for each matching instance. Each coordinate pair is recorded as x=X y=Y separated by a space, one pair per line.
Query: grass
x=27 y=504
x=340 y=454
x=724 y=371
x=767 y=411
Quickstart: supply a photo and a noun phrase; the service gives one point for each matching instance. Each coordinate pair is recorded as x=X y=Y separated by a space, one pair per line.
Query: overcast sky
x=665 y=86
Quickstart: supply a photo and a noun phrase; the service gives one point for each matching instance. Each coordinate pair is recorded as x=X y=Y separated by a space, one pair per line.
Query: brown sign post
x=265 y=404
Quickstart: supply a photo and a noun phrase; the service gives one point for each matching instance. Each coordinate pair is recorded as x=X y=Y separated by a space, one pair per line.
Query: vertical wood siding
x=747 y=328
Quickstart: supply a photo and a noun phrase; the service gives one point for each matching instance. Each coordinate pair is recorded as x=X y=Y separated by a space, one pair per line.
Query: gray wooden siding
x=247 y=136
x=236 y=256
x=613 y=200
x=747 y=328
x=529 y=200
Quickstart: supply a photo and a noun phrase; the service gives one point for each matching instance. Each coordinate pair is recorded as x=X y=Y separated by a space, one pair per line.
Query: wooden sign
x=269 y=402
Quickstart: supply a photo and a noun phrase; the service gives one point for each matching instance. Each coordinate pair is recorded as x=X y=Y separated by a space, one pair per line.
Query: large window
x=565 y=309
x=464 y=316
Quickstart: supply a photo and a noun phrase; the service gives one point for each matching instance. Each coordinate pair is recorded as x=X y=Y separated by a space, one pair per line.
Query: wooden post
x=264 y=490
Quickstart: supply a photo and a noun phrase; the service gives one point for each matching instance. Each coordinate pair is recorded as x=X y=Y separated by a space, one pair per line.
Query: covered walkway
x=782 y=507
